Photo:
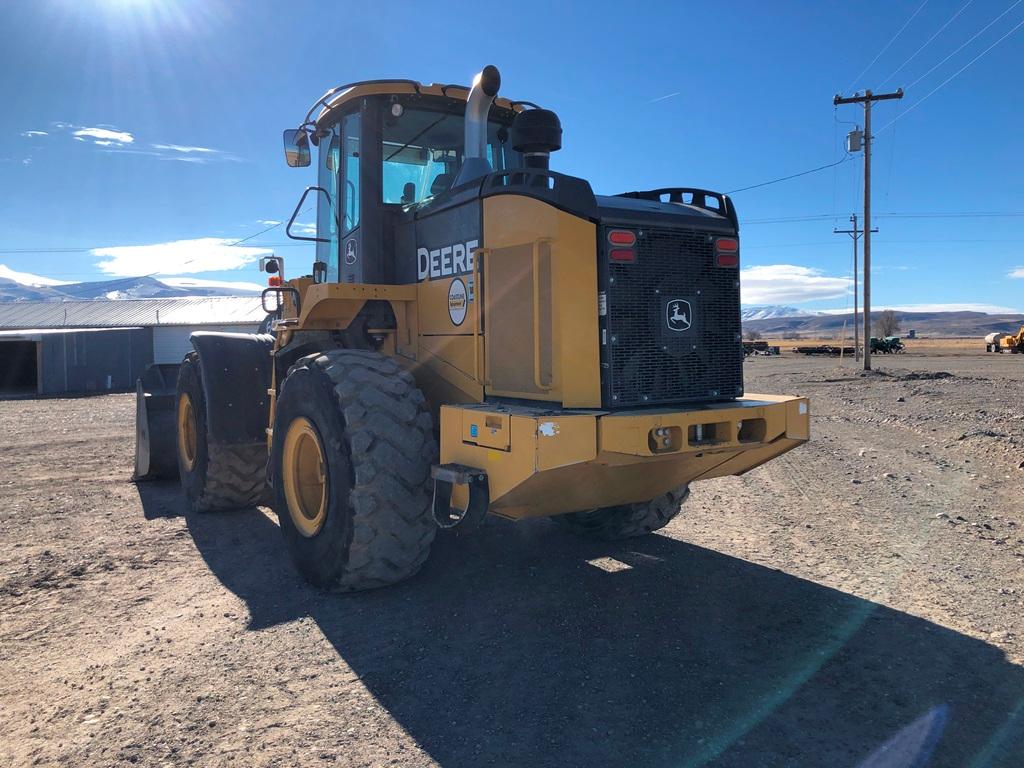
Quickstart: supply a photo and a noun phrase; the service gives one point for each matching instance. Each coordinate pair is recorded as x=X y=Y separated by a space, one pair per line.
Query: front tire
x=352 y=450
x=626 y=521
x=213 y=476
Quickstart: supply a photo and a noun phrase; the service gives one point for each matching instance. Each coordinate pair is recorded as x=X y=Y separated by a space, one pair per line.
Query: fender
x=236 y=376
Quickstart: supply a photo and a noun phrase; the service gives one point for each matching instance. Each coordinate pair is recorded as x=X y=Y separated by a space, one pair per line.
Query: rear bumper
x=548 y=462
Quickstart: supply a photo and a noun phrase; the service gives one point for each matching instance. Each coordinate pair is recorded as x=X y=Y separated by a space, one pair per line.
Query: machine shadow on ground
x=512 y=647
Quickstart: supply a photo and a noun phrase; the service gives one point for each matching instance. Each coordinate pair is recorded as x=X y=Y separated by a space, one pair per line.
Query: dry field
x=937 y=347
x=854 y=603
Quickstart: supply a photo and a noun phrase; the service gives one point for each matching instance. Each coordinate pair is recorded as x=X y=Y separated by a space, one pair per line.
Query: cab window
x=422 y=153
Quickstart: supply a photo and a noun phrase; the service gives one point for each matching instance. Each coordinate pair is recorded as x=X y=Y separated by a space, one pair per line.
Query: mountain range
x=946 y=324
x=772 y=311
x=21 y=286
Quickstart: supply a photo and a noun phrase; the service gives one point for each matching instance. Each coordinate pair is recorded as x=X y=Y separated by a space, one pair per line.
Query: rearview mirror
x=296 y=148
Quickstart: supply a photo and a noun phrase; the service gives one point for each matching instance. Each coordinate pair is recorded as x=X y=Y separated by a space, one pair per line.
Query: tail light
x=624 y=239
x=727 y=252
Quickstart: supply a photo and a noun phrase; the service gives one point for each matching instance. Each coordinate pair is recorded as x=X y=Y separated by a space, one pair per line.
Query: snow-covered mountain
x=22 y=286
x=772 y=311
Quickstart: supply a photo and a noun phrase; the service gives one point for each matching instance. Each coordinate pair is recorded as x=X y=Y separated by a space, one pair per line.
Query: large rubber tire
x=626 y=521
x=375 y=434
x=215 y=477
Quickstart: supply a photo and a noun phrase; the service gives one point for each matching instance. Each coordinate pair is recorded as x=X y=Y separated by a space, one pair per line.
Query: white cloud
x=203 y=254
x=186 y=150
x=304 y=228
x=192 y=282
x=27 y=278
x=269 y=222
x=100 y=135
x=191 y=154
x=666 y=97
x=789 y=284
x=27 y=161
x=1018 y=273
x=30 y=134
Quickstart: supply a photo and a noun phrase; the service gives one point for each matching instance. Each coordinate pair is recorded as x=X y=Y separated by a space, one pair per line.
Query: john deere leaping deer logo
x=678 y=315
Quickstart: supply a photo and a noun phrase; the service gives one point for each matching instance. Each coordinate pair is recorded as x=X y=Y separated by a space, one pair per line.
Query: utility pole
x=855 y=235
x=867 y=99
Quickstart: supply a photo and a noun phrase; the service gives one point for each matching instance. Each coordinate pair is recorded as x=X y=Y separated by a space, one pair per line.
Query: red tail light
x=274 y=280
x=727 y=252
x=622 y=254
x=621 y=237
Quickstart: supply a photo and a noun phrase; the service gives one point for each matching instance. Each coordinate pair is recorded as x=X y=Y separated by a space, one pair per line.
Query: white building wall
x=171 y=344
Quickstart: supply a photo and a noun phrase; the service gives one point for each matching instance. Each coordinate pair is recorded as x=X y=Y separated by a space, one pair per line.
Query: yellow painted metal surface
x=332 y=306
x=396 y=87
x=489 y=430
x=540 y=303
x=568 y=461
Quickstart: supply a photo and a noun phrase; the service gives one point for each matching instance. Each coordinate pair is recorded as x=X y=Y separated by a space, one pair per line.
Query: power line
x=955 y=74
x=792 y=176
x=970 y=40
x=886 y=46
x=894 y=215
x=926 y=42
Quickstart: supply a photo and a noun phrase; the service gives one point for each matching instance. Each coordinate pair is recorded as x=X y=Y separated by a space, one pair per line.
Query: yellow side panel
x=443 y=310
x=444 y=370
x=540 y=320
x=490 y=430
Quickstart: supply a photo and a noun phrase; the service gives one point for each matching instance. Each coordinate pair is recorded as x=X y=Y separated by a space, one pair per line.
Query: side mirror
x=296 y=148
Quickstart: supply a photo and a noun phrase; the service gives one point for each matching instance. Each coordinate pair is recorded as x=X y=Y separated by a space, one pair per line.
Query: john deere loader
x=478 y=335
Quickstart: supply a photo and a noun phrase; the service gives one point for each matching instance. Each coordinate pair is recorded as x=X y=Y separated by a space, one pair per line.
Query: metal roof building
x=53 y=347
x=126 y=313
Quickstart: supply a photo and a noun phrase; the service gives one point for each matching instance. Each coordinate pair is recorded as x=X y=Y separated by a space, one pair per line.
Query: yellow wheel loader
x=478 y=334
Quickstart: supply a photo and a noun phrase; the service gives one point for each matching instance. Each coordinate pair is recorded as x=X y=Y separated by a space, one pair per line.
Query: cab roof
x=337 y=97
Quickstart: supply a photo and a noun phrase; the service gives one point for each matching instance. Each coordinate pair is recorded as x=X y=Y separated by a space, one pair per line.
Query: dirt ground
x=854 y=603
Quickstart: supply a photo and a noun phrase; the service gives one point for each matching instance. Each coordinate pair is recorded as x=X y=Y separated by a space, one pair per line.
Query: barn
x=73 y=347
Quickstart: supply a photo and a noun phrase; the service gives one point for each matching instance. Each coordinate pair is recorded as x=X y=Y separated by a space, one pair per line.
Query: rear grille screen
x=671 y=330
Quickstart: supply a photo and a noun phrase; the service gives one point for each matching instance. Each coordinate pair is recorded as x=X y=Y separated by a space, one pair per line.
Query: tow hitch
x=446 y=476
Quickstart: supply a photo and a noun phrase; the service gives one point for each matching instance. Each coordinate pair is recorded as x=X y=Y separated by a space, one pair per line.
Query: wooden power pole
x=867 y=100
x=855 y=235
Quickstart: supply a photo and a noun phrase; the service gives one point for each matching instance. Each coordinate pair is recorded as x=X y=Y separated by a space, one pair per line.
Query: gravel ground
x=854 y=603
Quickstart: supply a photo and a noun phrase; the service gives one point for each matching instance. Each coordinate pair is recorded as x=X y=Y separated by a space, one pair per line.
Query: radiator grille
x=649 y=360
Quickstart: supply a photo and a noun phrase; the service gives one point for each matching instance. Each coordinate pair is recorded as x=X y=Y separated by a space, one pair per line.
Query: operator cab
x=386 y=151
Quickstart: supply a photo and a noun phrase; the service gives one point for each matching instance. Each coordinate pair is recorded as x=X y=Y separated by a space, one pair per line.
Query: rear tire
x=362 y=518
x=626 y=521
x=213 y=476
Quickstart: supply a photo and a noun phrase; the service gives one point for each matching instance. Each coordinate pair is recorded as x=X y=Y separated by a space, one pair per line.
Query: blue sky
x=157 y=123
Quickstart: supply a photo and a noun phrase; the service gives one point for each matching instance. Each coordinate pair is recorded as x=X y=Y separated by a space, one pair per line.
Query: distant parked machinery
x=759 y=348
x=889 y=345
x=1004 y=342
x=824 y=349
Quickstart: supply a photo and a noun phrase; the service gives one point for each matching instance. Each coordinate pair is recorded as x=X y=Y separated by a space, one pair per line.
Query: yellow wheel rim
x=305 y=478
x=186 y=431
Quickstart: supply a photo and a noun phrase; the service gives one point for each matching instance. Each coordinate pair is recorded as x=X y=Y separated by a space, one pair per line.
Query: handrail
x=537 y=380
x=478 y=254
x=288 y=229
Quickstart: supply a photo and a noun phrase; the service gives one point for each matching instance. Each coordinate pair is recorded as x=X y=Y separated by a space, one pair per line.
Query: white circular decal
x=457 y=301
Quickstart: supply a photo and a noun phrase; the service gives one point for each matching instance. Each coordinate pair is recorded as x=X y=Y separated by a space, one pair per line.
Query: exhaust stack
x=478 y=106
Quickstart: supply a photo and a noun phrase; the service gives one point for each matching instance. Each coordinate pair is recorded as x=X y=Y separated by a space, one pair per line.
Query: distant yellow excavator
x=1002 y=342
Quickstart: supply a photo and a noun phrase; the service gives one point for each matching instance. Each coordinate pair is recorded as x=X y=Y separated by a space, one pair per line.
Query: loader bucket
x=155 y=428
